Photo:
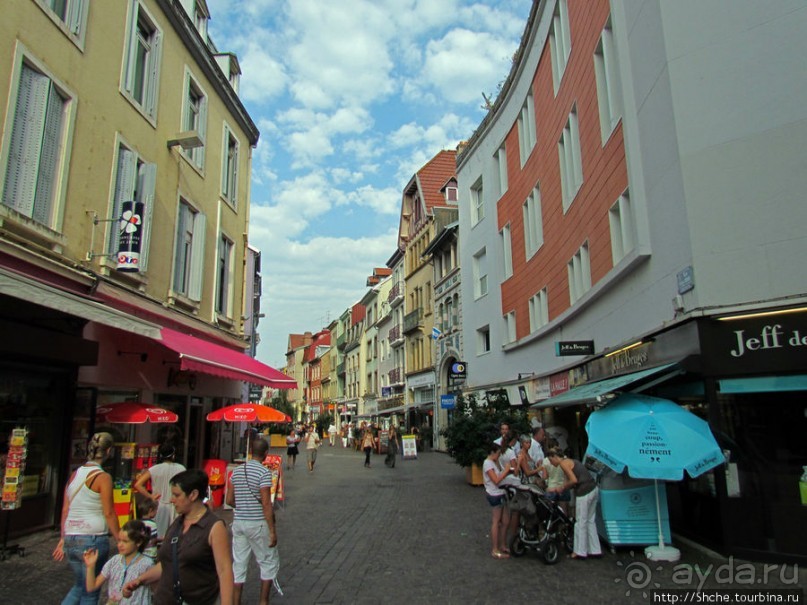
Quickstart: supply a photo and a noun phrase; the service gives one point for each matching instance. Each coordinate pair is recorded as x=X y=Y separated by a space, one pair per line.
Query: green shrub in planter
x=475 y=424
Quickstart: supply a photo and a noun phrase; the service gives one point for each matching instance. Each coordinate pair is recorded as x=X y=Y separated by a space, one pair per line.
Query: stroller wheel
x=517 y=547
x=551 y=552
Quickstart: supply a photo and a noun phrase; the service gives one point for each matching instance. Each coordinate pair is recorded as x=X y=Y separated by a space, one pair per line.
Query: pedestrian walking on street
x=160 y=475
x=130 y=561
x=312 y=443
x=332 y=434
x=392 y=447
x=367 y=443
x=250 y=494
x=194 y=563
x=292 y=440
x=88 y=515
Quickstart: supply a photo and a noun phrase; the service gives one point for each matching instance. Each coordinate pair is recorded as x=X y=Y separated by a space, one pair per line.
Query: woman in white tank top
x=160 y=475
x=88 y=515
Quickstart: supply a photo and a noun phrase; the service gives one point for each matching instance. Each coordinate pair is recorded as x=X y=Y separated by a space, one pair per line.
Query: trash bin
x=216 y=478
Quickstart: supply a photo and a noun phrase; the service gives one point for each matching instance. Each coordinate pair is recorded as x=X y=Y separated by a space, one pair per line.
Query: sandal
x=499 y=555
x=576 y=556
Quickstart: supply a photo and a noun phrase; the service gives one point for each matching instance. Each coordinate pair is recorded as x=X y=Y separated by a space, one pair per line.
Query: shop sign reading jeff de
x=757 y=344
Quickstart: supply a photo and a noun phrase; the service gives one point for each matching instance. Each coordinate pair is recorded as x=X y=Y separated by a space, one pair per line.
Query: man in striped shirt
x=249 y=493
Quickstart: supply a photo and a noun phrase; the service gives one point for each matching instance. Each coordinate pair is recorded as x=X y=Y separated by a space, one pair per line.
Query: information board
x=409 y=445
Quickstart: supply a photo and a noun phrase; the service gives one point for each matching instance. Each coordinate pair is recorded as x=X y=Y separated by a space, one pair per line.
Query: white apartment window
x=480 y=272
x=507 y=251
x=37 y=157
x=609 y=97
x=500 y=162
x=477 y=202
x=579 y=270
x=135 y=179
x=560 y=41
x=623 y=227
x=571 y=162
x=229 y=167
x=224 y=275
x=142 y=60
x=539 y=311
x=510 y=327
x=195 y=118
x=526 y=129
x=482 y=340
x=189 y=252
x=533 y=222
x=70 y=15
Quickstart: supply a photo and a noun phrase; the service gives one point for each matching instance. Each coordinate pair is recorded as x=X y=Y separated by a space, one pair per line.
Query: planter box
x=473 y=474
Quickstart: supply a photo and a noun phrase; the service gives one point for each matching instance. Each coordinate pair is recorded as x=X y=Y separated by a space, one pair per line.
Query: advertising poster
x=409 y=445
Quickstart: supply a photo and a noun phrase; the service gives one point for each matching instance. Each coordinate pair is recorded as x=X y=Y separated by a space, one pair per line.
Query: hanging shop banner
x=130 y=227
x=409 y=447
x=14 y=470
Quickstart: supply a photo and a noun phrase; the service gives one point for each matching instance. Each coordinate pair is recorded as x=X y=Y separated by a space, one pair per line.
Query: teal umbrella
x=653 y=439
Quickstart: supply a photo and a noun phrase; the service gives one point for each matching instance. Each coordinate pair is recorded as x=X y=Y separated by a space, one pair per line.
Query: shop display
x=14 y=479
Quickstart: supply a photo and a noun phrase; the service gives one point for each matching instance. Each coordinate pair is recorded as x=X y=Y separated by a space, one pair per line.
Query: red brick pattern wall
x=604 y=175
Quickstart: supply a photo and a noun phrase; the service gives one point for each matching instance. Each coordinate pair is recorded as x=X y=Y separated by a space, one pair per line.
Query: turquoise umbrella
x=653 y=439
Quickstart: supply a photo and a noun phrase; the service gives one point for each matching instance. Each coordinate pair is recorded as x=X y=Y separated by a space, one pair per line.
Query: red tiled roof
x=434 y=175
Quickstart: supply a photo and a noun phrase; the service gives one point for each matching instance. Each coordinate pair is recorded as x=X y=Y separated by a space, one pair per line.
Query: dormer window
x=451 y=194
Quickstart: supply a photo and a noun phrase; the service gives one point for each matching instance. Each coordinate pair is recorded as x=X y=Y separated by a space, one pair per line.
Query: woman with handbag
x=367 y=443
x=194 y=563
x=88 y=515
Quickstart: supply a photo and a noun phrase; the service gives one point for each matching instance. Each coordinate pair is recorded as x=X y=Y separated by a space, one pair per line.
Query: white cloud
x=463 y=64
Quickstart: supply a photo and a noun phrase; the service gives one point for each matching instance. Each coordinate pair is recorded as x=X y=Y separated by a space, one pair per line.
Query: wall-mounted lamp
x=187 y=140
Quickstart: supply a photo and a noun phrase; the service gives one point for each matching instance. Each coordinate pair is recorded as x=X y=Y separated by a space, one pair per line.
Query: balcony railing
x=340 y=341
x=396 y=376
x=396 y=336
x=340 y=368
x=413 y=320
x=396 y=295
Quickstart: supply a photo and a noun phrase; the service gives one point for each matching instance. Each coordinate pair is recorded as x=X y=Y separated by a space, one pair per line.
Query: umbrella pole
x=658 y=516
x=661 y=552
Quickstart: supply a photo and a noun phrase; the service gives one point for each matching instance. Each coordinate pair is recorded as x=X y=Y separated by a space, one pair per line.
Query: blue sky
x=351 y=98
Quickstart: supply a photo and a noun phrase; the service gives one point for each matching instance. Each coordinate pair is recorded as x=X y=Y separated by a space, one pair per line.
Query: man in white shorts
x=250 y=494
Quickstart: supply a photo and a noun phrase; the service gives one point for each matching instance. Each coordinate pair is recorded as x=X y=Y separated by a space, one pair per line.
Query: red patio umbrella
x=247 y=412
x=129 y=412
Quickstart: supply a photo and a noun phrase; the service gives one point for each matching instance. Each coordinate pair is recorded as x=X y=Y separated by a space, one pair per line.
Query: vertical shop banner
x=409 y=447
x=130 y=238
x=14 y=470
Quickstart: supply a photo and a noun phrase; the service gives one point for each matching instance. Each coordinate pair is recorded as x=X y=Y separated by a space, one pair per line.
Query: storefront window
x=34 y=401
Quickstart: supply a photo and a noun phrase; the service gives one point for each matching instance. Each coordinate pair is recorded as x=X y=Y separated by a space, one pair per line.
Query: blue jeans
x=74 y=547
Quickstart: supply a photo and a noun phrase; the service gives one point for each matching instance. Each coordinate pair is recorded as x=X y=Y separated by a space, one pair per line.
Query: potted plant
x=475 y=424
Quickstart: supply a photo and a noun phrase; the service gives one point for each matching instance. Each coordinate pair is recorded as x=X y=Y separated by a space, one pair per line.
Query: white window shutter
x=153 y=76
x=202 y=130
x=129 y=74
x=234 y=199
x=147 y=188
x=225 y=156
x=75 y=12
x=124 y=187
x=49 y=157
x=196 y=278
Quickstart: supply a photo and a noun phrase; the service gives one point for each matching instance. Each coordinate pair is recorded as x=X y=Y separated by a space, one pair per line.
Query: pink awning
x=199 y=355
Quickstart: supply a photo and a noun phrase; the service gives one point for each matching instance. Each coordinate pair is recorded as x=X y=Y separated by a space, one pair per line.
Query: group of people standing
x=196 y=562
x=515 y=460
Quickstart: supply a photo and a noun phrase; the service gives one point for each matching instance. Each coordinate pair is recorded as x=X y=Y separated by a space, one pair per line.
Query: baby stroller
x=542 y=526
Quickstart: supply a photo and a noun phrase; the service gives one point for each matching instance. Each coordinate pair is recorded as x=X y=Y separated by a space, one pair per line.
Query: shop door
x=196 y=433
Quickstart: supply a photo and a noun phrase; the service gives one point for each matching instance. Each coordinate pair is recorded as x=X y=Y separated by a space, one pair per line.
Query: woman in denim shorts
x=493 y=474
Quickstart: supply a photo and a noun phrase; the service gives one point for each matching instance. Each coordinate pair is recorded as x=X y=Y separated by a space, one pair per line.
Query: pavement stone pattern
x=416 y=534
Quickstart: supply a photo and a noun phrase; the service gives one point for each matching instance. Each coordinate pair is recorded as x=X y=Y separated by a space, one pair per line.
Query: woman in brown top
x=586 y=539
x=203 y=561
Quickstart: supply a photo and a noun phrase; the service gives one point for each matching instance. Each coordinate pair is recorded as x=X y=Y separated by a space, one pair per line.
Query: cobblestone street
x=415 y=534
